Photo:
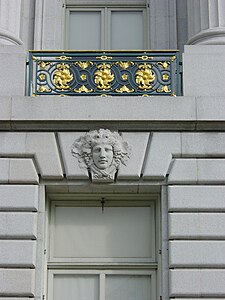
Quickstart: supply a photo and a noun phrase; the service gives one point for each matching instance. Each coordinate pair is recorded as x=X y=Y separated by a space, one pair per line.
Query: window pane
x=85 y=30
x=82 y=287
x=121 y=232
x=124 y=287
x=127 y=30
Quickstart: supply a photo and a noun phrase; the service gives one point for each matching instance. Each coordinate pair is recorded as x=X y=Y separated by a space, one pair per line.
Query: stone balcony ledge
x=123 y=113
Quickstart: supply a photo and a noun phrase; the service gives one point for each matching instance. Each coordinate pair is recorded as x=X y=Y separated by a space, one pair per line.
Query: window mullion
x=103 y=28
x=102 y=286
x=106 y=27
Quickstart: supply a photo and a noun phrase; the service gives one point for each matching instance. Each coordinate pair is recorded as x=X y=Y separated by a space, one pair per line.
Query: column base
x=8 y=38
x=215 y=36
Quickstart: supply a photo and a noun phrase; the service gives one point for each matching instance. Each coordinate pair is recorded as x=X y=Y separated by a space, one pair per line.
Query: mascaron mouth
x=102 y=161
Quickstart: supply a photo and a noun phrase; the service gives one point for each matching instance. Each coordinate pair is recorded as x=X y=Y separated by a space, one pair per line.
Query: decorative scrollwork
x=63 y=57
x=145 y=76
x=164 y=64
x=104 y=57
x=124 y=89
x=62 y=76
x=145 y=57
x=104 y=77
x=104 y=73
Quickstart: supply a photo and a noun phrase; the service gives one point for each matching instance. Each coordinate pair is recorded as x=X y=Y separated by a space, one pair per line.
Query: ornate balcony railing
x=73 y=73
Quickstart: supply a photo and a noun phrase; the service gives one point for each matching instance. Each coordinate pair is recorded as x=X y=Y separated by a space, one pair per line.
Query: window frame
x=122 y=268
x=106 y=21
x=102 y=278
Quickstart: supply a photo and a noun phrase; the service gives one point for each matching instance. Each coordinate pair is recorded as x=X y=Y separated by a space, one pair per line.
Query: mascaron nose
x=102 y=153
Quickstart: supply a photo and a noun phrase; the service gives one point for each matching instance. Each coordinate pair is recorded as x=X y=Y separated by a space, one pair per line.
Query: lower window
x=103 y=248
x=102 y=285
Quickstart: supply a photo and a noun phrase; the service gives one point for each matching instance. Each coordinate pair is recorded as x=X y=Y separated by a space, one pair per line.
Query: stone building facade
x=165 y=210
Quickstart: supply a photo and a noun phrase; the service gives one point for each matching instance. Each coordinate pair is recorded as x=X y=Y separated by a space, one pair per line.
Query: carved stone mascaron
x=101 y=152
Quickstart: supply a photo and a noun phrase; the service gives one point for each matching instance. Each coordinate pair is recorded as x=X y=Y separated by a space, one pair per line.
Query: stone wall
x=171 y=151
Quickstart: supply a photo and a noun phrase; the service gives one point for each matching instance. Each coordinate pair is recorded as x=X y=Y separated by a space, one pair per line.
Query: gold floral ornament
x=62 y=77
x=83 y=77
x=42 y=76
x=145 y=76
x=124 y=76
x=103 y=77
x=165 y=77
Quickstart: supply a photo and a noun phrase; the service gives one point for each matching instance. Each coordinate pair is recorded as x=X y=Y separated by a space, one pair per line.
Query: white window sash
x=106 y=23
x=102 y=279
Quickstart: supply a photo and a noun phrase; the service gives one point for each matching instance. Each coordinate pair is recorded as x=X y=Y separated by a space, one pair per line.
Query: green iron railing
x=73 y=73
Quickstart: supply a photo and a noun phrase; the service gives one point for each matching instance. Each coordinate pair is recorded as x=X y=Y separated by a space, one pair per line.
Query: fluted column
x=10 y=15
x=206 y=22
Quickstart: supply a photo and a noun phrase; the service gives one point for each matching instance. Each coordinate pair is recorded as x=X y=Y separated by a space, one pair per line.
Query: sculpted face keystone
x=101 y=152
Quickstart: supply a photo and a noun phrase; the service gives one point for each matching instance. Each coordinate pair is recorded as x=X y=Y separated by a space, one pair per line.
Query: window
x=103 y=250
x=116 y=28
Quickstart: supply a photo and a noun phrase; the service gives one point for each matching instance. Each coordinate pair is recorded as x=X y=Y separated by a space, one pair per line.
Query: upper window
x=102 y=28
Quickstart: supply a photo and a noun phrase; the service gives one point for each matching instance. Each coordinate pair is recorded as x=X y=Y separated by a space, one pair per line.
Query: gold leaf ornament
x=164 y=89
x=103 y=77
x=164 y=64
x=62 y=77
x=145 y=76
x=124 y=64
x=124 y=89
x=43 y=89
x=84 y=64
x=83 y=89
x=43 y=64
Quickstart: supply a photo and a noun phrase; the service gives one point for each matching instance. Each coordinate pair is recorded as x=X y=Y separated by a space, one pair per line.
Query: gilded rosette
x=145 y=76
x=62 y=76
x=103 y=77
